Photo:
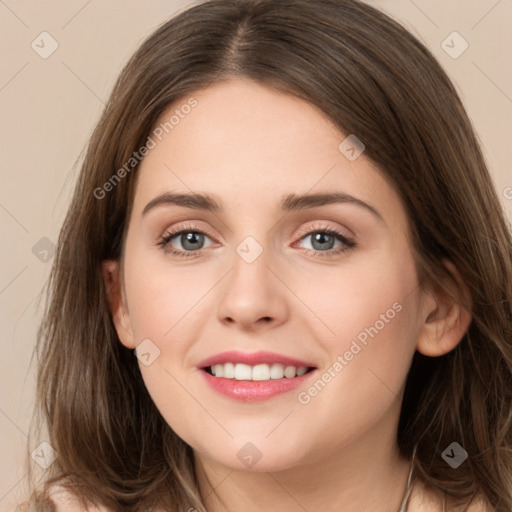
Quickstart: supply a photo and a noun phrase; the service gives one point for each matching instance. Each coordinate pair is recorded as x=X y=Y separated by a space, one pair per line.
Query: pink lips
x=248 y=390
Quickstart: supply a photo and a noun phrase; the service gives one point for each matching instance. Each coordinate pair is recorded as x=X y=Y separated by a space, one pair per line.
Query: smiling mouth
x=258 y=372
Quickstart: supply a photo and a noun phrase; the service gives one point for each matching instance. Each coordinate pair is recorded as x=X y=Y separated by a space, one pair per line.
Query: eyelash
x=190 y=228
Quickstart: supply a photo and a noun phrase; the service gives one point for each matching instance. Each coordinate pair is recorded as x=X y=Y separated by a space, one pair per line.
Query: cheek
x=162 y=298
x=164 y=305
x=369 y=315
x=374 y=317
x=376 y=291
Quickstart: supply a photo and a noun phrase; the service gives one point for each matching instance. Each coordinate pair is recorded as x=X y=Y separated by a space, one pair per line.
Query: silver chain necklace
x=405 y=500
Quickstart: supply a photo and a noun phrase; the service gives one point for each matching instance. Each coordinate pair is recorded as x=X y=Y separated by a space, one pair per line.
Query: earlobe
x=446 y=318
x=117 y=303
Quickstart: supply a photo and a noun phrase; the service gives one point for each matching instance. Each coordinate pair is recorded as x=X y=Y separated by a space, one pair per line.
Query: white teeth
x=301 y=371
x=277 y=371
x=290 y=371
x=261 y=372
x=241 y=371
x=229 y=371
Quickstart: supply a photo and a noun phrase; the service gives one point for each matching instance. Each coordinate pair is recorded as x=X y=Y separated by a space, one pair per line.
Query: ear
x=446 y=317
x=117 y=302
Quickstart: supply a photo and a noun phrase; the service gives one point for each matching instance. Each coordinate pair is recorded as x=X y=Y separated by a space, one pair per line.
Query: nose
x=253 y=295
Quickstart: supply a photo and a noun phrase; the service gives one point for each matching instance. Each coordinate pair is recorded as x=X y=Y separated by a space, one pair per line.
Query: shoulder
x=480 y=504
x=65 y=500
x=425 y=499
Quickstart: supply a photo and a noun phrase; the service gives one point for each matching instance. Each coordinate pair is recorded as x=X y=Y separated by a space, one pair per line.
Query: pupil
x=189 y=238
x=320 y=237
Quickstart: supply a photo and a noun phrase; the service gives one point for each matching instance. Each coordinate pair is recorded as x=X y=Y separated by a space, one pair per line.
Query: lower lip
x=254 y=390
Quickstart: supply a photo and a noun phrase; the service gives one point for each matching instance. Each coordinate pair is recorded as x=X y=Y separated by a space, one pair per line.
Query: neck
x=367 y=474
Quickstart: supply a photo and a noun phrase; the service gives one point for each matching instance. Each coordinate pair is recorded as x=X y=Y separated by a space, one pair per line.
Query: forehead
x=250 y=144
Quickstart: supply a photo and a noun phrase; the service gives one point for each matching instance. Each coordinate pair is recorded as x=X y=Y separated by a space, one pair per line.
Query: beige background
x=49 y=107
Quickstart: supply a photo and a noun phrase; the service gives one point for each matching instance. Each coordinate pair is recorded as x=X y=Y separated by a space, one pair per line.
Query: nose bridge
x=251 y=263
x=252 y=291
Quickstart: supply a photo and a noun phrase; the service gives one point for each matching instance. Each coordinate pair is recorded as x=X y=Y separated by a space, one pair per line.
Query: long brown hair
x=372 y=78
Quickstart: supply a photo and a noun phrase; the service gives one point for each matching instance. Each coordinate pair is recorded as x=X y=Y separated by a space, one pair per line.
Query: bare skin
x=421 y=500
x=249 y=146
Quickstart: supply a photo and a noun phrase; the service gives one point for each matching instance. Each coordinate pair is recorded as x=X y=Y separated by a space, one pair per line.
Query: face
x=327 y=286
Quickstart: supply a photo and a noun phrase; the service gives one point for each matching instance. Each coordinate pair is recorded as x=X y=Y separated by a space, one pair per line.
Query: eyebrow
x=289 y=203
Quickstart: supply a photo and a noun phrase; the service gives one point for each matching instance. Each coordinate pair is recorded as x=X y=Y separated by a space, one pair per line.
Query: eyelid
x=187 y=226
x=346 y=240
x=322 y=226
x=190 y=226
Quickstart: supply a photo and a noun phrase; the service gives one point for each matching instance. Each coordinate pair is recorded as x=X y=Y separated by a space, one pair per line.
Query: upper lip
x=252 y=359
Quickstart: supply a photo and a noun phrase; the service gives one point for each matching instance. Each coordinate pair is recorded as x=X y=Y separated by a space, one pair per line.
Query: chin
x=254 y=456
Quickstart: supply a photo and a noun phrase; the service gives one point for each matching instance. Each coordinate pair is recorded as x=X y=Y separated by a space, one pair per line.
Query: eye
x=323 y=238
x=190 y=237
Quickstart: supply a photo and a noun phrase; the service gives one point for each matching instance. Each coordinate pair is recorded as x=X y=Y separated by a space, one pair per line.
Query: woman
x=271 y=373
